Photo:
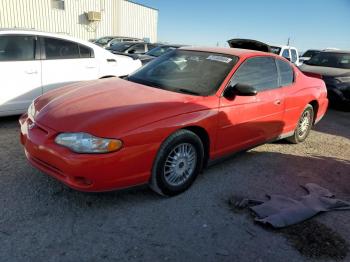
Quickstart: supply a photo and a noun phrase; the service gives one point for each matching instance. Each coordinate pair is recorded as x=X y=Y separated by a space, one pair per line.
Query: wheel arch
x=315 y=107
x=202 y=133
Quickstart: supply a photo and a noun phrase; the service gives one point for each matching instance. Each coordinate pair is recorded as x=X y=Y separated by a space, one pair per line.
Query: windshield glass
x=337 y=60
x=158 y=51
x=310 y=53
x=103 y=40
x=183 y=71
x=275 y=49
x=121 y=47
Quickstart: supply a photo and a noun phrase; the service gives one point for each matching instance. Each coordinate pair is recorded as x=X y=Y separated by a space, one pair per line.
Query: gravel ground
x=41 y=220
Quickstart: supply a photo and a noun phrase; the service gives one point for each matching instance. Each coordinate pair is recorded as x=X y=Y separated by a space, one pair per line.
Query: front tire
x=178 y=162
x=304 y=126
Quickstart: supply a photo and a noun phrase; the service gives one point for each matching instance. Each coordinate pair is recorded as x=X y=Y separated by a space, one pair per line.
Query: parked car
x=156 y=52
x=131 y=48
x=163 y=123
x=334 y=68
x=308 y=54
x=108 y=41
x=32 y=63
x=288 y=52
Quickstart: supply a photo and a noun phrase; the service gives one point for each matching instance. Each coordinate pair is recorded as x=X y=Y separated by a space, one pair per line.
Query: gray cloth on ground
x=280 y=211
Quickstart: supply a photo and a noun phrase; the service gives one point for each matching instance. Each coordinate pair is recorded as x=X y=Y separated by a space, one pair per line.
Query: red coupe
x=162 y=124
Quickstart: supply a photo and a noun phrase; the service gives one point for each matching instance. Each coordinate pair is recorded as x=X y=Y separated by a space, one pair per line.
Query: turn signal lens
x=114 y=145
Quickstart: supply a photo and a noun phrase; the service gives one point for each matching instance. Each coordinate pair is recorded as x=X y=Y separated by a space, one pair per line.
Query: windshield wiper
x=186 y=91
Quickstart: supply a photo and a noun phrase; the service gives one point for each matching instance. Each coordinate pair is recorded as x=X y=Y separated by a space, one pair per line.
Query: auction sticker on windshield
x=219 y=58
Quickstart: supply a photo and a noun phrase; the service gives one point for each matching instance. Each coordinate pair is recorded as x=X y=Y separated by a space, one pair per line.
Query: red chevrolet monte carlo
x=162 y=124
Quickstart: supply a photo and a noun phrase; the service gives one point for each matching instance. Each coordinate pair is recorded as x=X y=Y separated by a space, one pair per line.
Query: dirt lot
x=41 y=220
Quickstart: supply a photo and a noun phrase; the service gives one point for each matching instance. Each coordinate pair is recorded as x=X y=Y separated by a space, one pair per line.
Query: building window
x=57 y=4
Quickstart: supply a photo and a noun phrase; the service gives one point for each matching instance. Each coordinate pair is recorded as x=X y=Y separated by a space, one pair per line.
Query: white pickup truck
x=288 y=52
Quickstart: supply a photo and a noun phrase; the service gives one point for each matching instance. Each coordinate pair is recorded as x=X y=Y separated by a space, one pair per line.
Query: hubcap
x=304 y=124
x=180 y=164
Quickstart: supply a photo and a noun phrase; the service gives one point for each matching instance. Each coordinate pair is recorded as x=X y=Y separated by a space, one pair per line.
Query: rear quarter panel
x=304 y=91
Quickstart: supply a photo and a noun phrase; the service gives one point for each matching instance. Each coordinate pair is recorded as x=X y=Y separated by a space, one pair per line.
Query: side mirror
x=132 y=51
x=239 y=90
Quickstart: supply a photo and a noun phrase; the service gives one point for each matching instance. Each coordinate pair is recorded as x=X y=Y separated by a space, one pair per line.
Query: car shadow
x=274 y=172
x=335 y=123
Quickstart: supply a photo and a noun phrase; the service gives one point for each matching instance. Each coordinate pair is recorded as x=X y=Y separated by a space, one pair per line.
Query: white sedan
x=33 y=62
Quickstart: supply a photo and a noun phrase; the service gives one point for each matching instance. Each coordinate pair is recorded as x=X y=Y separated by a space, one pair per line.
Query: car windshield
x=275 y=49
x=310 y=53
x=103 y=40
x=184 y=71
x=158 y=51
x=330 y=59
x=121 y=47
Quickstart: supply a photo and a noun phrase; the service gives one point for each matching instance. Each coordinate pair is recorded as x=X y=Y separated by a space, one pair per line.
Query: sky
x=309 y=24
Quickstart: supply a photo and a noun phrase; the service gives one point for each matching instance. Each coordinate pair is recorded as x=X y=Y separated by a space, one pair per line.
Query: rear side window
x=60 y=49
x=86 y=52
x=17 y=48
x=259 y=72
x=286 y=73
x=294 y=55
x=285 y=53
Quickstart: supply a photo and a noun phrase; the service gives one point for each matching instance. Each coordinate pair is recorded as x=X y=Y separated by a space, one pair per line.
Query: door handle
x=31 y=72
x=278 y=102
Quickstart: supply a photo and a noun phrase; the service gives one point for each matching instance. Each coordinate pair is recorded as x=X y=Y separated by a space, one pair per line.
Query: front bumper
x=84 y=172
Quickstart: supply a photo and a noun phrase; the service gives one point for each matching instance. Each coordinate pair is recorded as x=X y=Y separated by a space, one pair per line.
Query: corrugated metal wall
x=118 y=17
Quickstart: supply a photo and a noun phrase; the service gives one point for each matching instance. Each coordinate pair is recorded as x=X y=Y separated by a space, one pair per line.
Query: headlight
x=86 y=143
x=343 y=79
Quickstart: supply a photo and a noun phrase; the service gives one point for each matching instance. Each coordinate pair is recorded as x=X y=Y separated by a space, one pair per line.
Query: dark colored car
x=108 y=41
x=131 y=48
x=156 y=52
x=308 y=54
x=334 y=67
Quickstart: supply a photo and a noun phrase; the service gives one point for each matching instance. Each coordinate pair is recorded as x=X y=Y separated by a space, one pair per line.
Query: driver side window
x=258 y=72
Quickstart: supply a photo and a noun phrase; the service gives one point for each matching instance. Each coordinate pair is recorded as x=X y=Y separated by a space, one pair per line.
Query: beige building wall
x=118 y=17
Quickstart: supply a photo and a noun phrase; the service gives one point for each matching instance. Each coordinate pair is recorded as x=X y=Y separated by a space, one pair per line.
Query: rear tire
x=178 y=162
x=304 y=126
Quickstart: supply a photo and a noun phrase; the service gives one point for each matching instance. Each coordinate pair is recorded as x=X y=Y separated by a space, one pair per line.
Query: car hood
x=109 y=107
x=325 y=71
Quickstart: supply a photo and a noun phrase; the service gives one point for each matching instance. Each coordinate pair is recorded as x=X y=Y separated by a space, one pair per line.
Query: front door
x=249 y=120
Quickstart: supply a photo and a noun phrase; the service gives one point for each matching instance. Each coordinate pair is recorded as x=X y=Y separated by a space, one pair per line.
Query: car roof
x=337 y=51
x=229 y=51
x=42 y=33
x=111 y=36
x=131 y=42
x=284 y=46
